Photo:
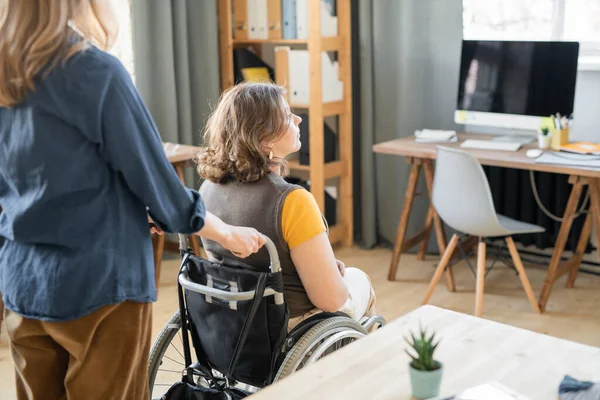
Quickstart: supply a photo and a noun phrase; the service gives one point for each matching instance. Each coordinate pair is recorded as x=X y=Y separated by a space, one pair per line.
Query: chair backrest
x=462 y=196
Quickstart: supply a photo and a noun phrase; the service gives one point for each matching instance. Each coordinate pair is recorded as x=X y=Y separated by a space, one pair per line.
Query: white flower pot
x=544 y=141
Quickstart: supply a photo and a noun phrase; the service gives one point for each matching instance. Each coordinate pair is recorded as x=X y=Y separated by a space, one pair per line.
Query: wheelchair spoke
x=175 y=361
x=331 y=340
x=169 y=370
x=176 y=349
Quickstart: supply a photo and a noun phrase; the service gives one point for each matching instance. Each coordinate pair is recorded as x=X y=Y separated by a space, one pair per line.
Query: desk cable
x=545 y=210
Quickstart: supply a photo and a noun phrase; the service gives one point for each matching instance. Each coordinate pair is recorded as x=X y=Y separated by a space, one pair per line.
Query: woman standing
x=81 y=165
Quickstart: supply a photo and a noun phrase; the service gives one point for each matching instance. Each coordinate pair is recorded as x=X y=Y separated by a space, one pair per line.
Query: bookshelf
x=318 y=172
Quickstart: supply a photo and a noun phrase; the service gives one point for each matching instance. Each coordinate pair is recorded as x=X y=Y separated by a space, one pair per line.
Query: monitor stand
x=515 y=138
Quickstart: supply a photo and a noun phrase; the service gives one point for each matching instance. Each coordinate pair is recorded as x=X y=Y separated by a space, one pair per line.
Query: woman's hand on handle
x=241 y=241
x=154 y=228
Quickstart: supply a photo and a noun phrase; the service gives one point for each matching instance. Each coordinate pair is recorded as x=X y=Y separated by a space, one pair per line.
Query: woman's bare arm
x=319 y=273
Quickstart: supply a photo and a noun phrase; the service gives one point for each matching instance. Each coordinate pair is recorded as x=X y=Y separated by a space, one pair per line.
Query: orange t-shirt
x=301 y=219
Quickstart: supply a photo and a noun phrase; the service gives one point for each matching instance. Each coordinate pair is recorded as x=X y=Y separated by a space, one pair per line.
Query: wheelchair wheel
x=321 y=340
x=167 y=361
x=166 y=358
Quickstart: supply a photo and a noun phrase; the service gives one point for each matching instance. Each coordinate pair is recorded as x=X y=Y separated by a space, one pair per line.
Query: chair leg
x=524 y=279
x=441 y=267
x=480 y=278
x=194 y=242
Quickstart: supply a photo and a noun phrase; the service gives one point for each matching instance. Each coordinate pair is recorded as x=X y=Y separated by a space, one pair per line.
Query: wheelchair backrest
x=238 y=317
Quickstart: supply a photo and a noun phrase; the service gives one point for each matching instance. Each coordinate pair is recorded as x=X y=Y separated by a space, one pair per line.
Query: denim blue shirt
x=80 y=162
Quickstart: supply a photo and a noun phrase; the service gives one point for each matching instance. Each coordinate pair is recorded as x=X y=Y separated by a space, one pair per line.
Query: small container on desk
x=544 y=141
x=559 y=137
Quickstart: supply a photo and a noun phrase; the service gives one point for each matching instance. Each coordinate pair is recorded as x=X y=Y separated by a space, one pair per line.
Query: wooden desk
x=472 y=350
x=421 y=155
x=179 y=155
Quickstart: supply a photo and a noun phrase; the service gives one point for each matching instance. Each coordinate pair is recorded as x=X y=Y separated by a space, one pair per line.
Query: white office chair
x=462 y=198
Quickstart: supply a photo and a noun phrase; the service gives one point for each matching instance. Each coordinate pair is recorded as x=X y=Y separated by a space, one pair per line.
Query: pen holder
x=559 y=138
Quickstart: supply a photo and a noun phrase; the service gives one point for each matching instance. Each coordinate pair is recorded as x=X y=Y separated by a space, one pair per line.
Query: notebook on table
x=435 y=136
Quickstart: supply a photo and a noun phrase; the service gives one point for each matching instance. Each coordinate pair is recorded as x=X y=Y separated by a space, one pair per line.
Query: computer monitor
x=515 y=84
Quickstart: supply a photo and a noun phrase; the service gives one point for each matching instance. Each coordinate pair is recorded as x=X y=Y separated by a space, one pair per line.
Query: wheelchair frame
x=311 y=340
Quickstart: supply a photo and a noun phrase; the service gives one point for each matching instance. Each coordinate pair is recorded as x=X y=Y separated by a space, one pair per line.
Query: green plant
x=424 y=348
x=545 y=131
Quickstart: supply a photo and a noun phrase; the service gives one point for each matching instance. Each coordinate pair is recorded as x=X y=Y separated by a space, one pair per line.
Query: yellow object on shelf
x=256 y=74
x=560 y=137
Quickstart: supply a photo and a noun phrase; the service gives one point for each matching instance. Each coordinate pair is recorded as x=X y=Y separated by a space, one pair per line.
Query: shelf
x=329 y=109
x=332 y=169
x=320 y=175
x=267 y=41
x=332 y=43
x=337 y=232
x=296 y=166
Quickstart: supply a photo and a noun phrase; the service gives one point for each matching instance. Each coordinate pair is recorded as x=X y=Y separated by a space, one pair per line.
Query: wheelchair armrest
x=222 y=294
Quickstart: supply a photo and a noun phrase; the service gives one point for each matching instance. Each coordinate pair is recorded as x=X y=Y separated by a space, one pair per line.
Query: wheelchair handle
x=275 y=266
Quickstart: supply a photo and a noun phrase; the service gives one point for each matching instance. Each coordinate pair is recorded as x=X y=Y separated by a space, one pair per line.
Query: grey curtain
x=177 y=65
x=408 y=74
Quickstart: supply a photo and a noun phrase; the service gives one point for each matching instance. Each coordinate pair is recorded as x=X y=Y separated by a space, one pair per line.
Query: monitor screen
x=516 y=78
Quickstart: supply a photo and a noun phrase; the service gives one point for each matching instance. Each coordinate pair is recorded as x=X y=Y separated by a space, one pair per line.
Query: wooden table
x=179 y=156
x=472 y=350
x=422 y=155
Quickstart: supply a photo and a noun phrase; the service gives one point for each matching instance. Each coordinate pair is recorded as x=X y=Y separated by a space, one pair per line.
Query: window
x=569 y=20
x=123 y=47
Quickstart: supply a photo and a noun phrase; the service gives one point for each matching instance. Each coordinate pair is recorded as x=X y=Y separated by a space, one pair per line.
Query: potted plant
x=544 y=138
x=425 y=370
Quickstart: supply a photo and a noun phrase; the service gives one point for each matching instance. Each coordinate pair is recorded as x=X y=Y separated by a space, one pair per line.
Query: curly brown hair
x=246 y=116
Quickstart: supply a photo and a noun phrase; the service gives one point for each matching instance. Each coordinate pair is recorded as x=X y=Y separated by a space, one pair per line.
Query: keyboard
x=490 y=145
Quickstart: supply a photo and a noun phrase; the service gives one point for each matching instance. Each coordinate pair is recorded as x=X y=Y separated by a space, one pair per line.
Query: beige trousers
x=361 y=298
x=103 y=355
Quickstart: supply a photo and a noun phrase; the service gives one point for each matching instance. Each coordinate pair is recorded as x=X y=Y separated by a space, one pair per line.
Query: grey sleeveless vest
x=257 y=205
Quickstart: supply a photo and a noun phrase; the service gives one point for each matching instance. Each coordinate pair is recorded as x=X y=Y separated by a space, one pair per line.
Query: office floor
x=572 y=314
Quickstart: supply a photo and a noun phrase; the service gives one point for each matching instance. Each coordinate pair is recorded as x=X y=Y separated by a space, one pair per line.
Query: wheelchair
x=235 y=318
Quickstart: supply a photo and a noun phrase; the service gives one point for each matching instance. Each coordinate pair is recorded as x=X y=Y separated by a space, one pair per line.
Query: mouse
x=534 y=153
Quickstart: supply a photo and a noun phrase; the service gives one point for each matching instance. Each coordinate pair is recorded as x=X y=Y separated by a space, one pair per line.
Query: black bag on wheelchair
x=237 y=320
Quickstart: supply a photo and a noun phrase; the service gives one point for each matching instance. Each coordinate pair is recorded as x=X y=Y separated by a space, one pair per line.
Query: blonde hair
x=247 y=116
x=36 y=34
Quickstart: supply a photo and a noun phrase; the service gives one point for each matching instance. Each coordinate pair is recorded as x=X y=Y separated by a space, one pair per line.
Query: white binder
x=302 y=19
x=258 y=21
x=329 y=23
x=299 y=77
x=333 y=87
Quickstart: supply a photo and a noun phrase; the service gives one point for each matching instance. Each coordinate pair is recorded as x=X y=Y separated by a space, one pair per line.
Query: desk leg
x=158 y=242
x=439 y=227
x=403 y=223
x=561 y=240
x=592 y=218
x=425 y=242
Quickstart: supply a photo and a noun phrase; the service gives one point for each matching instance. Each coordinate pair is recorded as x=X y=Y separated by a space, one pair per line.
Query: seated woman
x=246 y=139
